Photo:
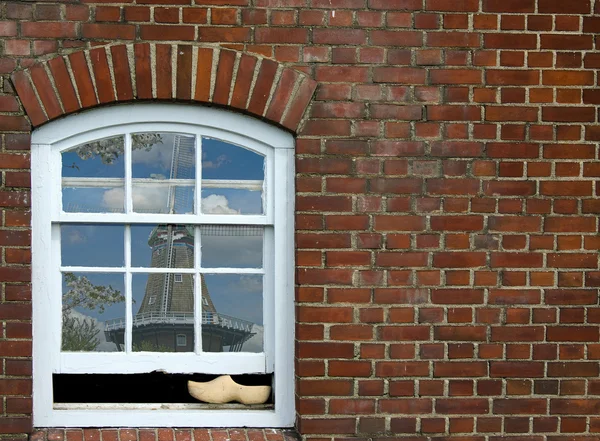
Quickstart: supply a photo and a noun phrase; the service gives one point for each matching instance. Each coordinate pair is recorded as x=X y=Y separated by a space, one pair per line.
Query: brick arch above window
x=149 y=71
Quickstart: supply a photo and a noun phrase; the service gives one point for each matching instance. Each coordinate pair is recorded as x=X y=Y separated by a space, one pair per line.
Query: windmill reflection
x=164 y=321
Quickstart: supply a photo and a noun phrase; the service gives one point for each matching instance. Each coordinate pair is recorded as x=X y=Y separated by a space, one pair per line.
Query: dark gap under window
x=155 y=387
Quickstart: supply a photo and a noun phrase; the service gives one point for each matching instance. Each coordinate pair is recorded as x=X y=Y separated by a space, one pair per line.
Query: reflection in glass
x=93 y=176
x=163 y=311
x=106 y=241
x=90 y=302
x=162 y=246
x=238 y=324
x=163 y=171
x=163 y=303
x=232 y=200
x=222 y=160
x=232 y=246
x=232 y=179
x=165 y=198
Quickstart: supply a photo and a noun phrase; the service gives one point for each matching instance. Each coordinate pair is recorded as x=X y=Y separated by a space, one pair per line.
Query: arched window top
x=109 y=121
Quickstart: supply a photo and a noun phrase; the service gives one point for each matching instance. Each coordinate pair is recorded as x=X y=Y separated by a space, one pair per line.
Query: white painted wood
x=175 y=363
x=128 y=292
x=147 y=218
x=159 y=418
x=268 y=299
x=160 y=406
x=277 y=192
x=147 y=270
x=197 y=293
x=44 y=348
x=284 y=286
x=198 y=251
x=128 y=178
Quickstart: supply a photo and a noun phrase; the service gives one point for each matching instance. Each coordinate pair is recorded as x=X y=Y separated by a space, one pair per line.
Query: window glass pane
x=162 y=246
x=163 y=308
x=92 y=245
x=232 y=246
x=232 y=179
x=93 y=176
x=232 y=313
x=163 y=171
x=90 y=301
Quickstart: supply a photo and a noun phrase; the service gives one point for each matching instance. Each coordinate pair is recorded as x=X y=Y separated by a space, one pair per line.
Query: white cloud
x=217 y=204
x=255 y=343
x=153 y=198
x=157 y=155
x=147 y=198
x=75 y=236
x=113 y=198
x=218 y=162
x=247 y=284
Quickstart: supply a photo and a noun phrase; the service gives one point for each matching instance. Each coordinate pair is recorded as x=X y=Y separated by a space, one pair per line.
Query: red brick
x=520 y=406
x=511 y=6
x=49 y=30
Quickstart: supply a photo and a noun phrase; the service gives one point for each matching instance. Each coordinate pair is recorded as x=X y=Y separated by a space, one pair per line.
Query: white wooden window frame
x=278 y=310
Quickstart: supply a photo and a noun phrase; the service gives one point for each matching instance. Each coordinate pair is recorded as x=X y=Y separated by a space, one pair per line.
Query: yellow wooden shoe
x=224 y=390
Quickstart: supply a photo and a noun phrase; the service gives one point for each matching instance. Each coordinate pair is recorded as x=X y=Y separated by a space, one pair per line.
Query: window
x=163 y=250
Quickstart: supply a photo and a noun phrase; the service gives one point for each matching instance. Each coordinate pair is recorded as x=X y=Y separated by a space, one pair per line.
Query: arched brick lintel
x=149 y=71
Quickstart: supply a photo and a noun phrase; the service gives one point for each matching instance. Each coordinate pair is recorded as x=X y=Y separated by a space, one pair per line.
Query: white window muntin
x=278 y=355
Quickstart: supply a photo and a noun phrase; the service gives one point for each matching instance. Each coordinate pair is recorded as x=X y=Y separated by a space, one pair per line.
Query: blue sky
x=220 y=160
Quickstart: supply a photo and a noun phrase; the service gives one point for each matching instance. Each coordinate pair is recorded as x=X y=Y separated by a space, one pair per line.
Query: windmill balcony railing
x=184 y=318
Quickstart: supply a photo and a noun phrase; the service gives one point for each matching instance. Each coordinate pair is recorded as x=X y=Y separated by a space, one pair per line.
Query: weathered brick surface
x=446 y=226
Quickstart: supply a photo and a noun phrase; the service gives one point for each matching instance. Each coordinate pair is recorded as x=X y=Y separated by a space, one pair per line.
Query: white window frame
x=277 y=146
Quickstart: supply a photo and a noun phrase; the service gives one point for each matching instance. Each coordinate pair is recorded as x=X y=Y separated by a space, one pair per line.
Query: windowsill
x=160 y=406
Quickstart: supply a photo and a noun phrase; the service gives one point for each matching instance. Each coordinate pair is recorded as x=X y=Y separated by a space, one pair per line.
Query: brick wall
x=446 y=230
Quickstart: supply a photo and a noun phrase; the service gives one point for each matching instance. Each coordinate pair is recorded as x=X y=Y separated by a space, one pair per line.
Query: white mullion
x=92 y=269
x=128 y=190
x=268 y=299
x=150 y=218
x=198 y=191
x=57 y=286
x=128 y=293
x=197 y=291
x=198 y=251
x=55 y=168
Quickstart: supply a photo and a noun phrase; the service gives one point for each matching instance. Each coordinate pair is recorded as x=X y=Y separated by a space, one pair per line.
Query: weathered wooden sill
x=161 y=406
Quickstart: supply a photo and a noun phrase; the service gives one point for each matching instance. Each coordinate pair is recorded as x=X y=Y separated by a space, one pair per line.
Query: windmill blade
x=182 y=167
